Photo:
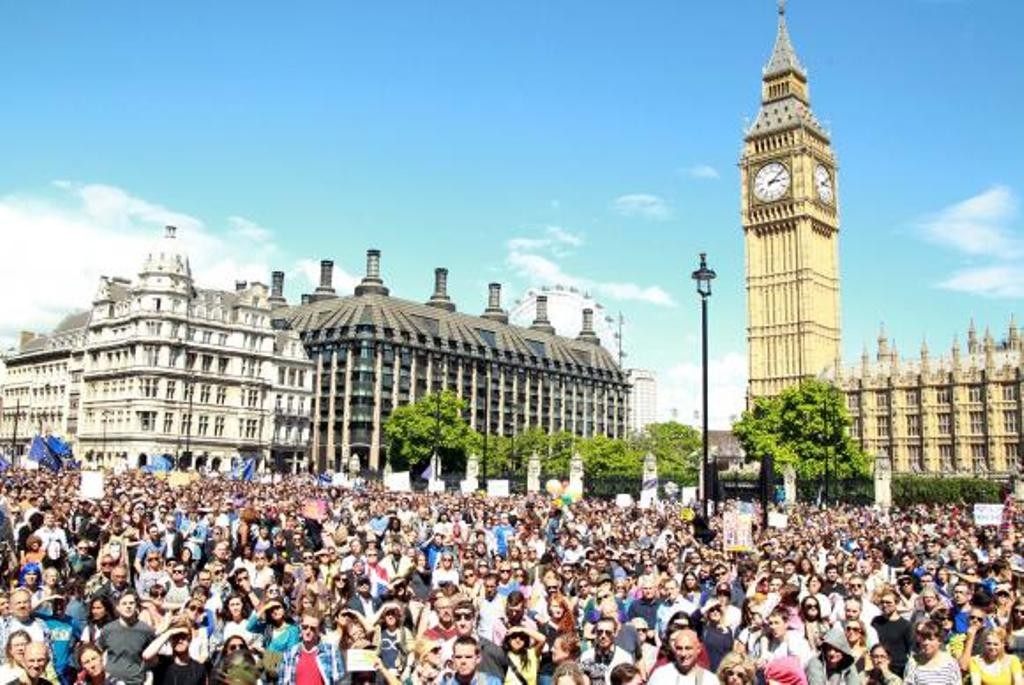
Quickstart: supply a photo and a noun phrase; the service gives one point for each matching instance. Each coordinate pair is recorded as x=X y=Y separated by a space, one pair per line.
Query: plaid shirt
x=328 y=659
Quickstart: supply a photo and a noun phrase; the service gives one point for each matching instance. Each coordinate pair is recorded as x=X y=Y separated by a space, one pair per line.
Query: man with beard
x=683 y=669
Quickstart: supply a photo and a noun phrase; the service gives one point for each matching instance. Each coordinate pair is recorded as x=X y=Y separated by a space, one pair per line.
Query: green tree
x=675 y=446
x=804 y=426
x=604 y=456
x=412 y=431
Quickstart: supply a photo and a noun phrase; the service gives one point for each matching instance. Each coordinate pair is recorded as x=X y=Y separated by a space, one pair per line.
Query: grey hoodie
x=845 y=674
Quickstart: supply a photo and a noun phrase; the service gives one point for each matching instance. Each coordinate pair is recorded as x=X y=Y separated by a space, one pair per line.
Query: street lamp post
x=14 y=436
x=703 y=276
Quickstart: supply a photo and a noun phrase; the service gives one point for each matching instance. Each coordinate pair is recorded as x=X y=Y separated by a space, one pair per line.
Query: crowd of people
x=220 y=581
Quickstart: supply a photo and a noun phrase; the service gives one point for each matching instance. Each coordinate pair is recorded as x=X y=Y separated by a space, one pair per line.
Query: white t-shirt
x=669 y=675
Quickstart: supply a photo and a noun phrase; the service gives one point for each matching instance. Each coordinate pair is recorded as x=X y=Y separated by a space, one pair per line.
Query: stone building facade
x=41 y=388
x=160 y=366
x=956 y=414
x=374 y=352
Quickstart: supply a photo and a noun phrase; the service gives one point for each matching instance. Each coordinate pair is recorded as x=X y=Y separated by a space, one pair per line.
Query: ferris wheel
x=565 y=311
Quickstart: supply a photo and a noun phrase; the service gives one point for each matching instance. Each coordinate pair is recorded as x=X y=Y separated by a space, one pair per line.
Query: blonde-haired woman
x=994 y=666
x=736 y=669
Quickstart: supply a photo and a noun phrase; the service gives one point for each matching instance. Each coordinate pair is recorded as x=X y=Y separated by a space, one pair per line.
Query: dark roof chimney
x=277 y=289
x=240 y=286
x=325 y=288
x=494 y=312
x=440 y=297
x=540 y=321
x=372 y=284
x=588 y=335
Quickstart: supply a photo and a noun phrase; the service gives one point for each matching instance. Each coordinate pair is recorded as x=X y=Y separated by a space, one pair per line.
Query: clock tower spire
x=790 y=216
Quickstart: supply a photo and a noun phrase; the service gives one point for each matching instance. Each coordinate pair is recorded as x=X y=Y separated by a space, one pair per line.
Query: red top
x=307 y=672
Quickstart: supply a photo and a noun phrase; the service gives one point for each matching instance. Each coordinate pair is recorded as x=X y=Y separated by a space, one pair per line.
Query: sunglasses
x=234 y=647
x=308 y=627
x=604 y=631
x=735 y=673
x=463 y=614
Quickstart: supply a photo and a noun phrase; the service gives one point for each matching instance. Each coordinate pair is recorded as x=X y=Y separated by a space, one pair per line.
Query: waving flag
x=57 y=447
x=244 y=470
x=160 y=464
x=428 y=473
x=324 y=480
x=40 y=453
x=4 y=464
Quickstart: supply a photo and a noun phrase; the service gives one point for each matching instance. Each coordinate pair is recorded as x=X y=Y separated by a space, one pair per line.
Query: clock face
x=771 y=182
x=823 y=184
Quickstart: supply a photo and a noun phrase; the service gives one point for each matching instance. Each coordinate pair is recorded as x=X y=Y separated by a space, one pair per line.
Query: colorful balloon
x=553 y=487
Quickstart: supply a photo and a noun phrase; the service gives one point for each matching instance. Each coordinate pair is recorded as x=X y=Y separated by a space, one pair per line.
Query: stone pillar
x=576 y=472
x=378 y=384
x=458 y=377
x=473 y=467
x=501 y=401
x=346 y=409
x=412 y=375
x=472 y=399
x=883 y=481
x=329 y=465
x=353 y=465
x=396 y=377
x=533 y=474
x=314 y=456
x=789 y=481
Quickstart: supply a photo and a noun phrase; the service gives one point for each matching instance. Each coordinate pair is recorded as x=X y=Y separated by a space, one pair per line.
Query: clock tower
x=790 y=214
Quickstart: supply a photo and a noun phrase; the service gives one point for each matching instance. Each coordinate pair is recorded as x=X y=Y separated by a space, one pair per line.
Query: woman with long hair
x=751 y=626
x=34 y=551
x=1015 y=629
x=233 y=619
x=856 y=636
x=994 y=666
x=560 y=622
x=100 y=614
x=13 y=669
x=815 y=625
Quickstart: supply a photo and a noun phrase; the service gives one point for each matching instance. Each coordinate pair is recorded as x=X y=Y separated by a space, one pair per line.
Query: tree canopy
x=412 y=430
x=804 y=426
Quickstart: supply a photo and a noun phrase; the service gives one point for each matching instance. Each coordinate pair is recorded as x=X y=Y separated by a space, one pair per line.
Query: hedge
x=908 y=490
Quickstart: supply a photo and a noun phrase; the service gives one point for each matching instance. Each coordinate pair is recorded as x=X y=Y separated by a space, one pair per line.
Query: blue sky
x=592 y=142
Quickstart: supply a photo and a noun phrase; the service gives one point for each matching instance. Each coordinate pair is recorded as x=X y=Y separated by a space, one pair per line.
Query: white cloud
x=60 y=241
x=555 y=237
x=309 y=270
x=249 y=230
x=998 y=281
x=679 y=391
x=978 y=226
x=540 y=270
x=642 y=205
x=702 y=171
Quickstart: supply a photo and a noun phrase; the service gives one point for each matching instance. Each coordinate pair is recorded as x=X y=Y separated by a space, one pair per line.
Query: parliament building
x=957 y=414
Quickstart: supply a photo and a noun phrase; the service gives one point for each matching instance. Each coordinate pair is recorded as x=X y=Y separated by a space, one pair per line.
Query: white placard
x=92 y=485
x=435 y=485
x=777 y=520
x=339 y=479
x=624 y=500
x=398 y=482
x=689 y=495
x=648 y=497
x=468 y=486
x=497 y=488
x=988 y=514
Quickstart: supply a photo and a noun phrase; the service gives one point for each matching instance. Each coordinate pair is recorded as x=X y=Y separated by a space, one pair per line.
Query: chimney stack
x=372 y=284
x=305 y=298
x=588 y=335
x=170 y=231
x=240 y=286
x=540 y=321
x=277 y=289
x=494 y=312
x=440 y=297
x=326 y=276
